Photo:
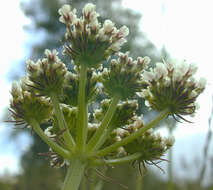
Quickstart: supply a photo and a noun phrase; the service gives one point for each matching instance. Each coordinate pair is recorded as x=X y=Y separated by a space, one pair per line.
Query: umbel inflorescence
x=112 y=133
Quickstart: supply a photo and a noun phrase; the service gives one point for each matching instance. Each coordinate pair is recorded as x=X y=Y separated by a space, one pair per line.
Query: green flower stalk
x=112 y=133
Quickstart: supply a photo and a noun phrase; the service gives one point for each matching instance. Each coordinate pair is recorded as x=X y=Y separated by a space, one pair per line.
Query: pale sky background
x=184 y=27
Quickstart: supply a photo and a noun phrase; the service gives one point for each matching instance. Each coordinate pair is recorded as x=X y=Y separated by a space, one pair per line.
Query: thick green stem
x=74 y=174
x=58 y=149
x=117 y=161
x=96 y=140
x=133 y=136
x=82 y=110
x=139 y=182
x=62 y=123
x=170 y=157
x=93 y=177
x=99 y=185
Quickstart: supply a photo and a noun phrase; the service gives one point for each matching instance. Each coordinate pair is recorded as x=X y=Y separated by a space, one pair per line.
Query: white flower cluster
x=38 y=67
x=68 y=16
x=24 y=105
x=89 y=13
x=94 y=36
x=124 y=78
x=172 y=84
x=46 y=74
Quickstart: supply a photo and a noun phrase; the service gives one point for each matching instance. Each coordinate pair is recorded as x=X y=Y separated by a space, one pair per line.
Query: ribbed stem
x=74 y=174
x=133 y=136
x=58 y=149
x=170 y=157
x=62 y=123
x=82 y=110
x=139 y=182
x=99 y=135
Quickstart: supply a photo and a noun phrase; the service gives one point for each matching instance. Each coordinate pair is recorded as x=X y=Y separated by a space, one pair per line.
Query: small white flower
x=197 y=106
x=117 y=138
x=192 y=69
x=24 y=82
x=16 y=91
x=120 y=131
x=64 y=10
x=32 y=66
x=201 y=83
x=88 y=9
x=177 y=76
x=124 y=31
x=138 y=123
x=102 y=36
x=148 y=76
x=95 y=25
x=30 y=62
x=147 y=103
x=167 y=81
x=145 y=93
x=27 y=94
x=67 y=15
x=183 y=68
x=144 y=60
x=160 y=71
x=108 y=26
x=117 y=45
x=191 y=81
x=51 y=55
x=170 y=141
x=47 y=52
x=170 y=65
x=193 y=94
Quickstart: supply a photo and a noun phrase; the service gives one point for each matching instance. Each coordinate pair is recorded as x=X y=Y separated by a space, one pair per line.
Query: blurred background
x=161 y=29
